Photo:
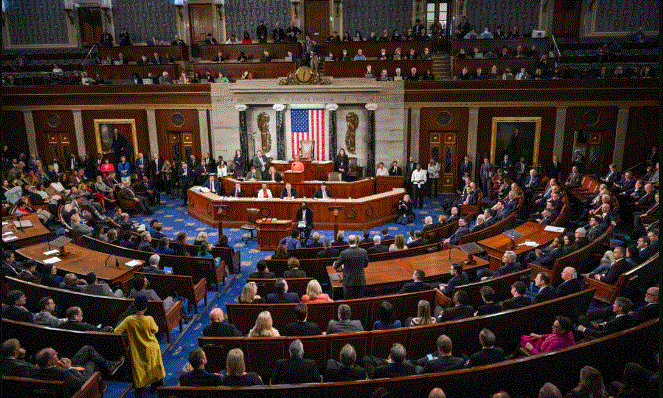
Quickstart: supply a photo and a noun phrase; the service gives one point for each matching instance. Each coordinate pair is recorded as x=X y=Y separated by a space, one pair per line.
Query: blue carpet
x=174 y=219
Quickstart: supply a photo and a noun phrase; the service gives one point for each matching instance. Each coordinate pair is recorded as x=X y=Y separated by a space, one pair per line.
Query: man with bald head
x=650 y=309
x=220 y=326
x=572 y=284
x=437 y=392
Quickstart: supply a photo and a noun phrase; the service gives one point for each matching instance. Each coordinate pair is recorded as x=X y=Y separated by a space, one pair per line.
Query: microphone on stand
x=106 y=261
x=449 y=252
x=117 y=263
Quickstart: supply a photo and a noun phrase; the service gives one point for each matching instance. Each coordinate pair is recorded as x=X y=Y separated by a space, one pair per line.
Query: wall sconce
x=295 y=4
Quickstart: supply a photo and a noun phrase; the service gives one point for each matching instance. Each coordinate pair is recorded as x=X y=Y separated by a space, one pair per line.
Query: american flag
x=308 y=124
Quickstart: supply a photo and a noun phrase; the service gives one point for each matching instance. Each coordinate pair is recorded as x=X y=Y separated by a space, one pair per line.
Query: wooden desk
x=485 y=64
x=306 y=189
x=358 y=68
x=387 y=183
x=112 y=72
x=271 y=232
x=81 y=261
x=531 y=231
x=234 y=70
x=496 y=45
x=25 y=236
x=252 y=51
x=313 y=170
x=386 y=274
x=356 y=214
x=134 y=53
x=373 y=49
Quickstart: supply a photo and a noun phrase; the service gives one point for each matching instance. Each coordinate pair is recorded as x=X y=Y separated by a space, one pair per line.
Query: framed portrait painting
x=115 y=138
x=516 y=136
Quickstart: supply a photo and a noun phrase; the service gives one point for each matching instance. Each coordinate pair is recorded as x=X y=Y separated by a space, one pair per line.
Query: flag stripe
x=308 y=124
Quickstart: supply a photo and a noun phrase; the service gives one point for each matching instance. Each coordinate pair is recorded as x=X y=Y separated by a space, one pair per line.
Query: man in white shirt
x=264 y=192
x=418 y=184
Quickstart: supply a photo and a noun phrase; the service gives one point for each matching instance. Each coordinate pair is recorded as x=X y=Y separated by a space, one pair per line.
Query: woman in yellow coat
x=147 y=364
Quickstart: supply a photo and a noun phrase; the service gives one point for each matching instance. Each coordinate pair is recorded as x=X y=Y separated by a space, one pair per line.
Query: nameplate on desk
x=52 y=260
x=133 y=263
x=51 y=252
x=529 y=243
x=9 y=237
x=554 y=229
x=7 y=233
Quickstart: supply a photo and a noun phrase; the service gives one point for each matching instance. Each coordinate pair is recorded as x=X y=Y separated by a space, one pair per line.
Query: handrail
x=559 y=53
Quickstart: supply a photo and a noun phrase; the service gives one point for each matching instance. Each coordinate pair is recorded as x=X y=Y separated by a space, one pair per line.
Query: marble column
x=620 y=136
x=152 y=130
x=332 y=129
x=78 y=130
x=30 y=130
x=472 y=136
x=370 y=124
x=243 y=133
x=204 y=132
x=560 y=127
x=280 y=130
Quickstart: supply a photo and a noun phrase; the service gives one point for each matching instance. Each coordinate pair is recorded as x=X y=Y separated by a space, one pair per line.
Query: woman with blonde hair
x=249 y=294
x=264 y=326
x=236 y=371
x=590 y=384
x=314 y=293
x=423 y=314
x=399 y=243
x=167 y=177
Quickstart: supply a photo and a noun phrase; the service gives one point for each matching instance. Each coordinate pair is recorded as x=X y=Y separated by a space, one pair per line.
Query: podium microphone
x=117 y=263
x=106 y=261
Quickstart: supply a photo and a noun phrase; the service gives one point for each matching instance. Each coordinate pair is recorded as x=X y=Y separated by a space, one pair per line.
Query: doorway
x=201 y=22
x=58 y=146
x=90 y=25
x=316 y=19
x=180 y=146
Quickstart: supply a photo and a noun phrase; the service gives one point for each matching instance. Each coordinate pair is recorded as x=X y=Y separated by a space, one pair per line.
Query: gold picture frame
x=111 y=123
x=503 y=126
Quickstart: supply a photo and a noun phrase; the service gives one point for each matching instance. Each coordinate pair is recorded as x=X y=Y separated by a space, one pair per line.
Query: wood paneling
x=113 y=72
x=234 y=70
x=201 y=21
x=42 y=130
x=641 y=134
x=251 y=51
x=606 y=124
x=165 y=124
x=358 y=68
x=142 y=136
x=134 y=53
x=17 y=140
x=316 y=19
x=566 y=19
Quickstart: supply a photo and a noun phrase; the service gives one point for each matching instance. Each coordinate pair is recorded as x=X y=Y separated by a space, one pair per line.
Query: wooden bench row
x=113 y=307
x=561 y=367
x=266 y=286
x=20 y=387
x=418 y=341
x=636 y=279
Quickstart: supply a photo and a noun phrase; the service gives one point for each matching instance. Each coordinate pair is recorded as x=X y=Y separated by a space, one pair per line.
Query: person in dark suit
x=394 y=366
x=146 y=242
x=293 y=270
x=344 y=324
x=199 y=377
x=29 y=273
x=237 y=191
x=10 y=267
x=377 y=247
x=463 y=229
x=328 y=250
x=518 y=300
x=572 y=283
x=75 y=322
x=465 y=168
x=419 y=240
x=554 y=168
x=304 y=217
x=323 y=192
x=346 y=369
x=546 y=291
x=609 y=273
x=341 y=162
x=301 y=327
x=15 y=309
x=213 y=186
x=219 y=326
x=13 y=363
x=410 y=167
x=128 y=194
x=395 y=169
x=352 y=262
x=288 y=192
x=417 y=284
x=460 y=310
x=146 y=188
x=621 y=320
x=490 y=306
x=262 y=272
x=261 y=163
x=489 y=353
x=649 y=310
x=458 y=278
x=296 y=369
x=282 y=295
x=273 y=175
x=442 y=360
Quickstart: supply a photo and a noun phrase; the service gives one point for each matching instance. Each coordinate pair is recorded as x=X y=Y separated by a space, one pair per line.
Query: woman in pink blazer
x=561 y=337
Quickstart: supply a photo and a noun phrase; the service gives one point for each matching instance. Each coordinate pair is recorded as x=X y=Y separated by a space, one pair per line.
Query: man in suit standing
x=323 y=192
x=199 y=377
x=352 y=262
x=196 y=170
x=409 y=168
x=507 y=166
x=186 y=181
x=554 y=168
x=344 y=324
x=485 y=176
x=261 y=163
x=296 y=369
x=301 y=327
x=154 y=170
x=304 y=218
x=141 y=167
x=465 y=168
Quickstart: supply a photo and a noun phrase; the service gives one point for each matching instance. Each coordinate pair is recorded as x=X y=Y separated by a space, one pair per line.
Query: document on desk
x=51 y=252
x=133 y=263
x=52 y=260
x=554 y=229
x=7 y=238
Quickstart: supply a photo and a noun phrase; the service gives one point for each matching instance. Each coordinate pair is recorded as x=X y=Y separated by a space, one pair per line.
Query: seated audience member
x=145 y=242
x=442 y=360
x=45 y=315
x=458 y=278
x=561 y=337
x=417 y=283
x=15 y=308
x=418 y=240
x=340 y=239
x=13 y=363
x=489 y=353
x=301 y=327
x=236 y=374
x=10 y=267
x=460 y=310
x=344 y=324
x=94 y=286
x=399 y=243
x=549 y=390
x=264 y=326
x=328 y=251
x=323 y=192
x=637 y=382
x=75 y=322
x=385 y=318
x=199 y=377
x=281 y=294
x=29 y=273
x=288 y=192
x=518 y=300
x=423 y=315
x=293 y=270
x=509 y=265
x=572 y=283
x=295 y=369
x=489 y=306
x=609 y=272
x=619 y=321
x=264 y=192
x=590 y=384
x=544 y=290
x=314 y=293
x=262 y=272
x=394 y=366
x=140 y=288
x=359 y=56
x=281 y=252
x=346 y=369
x=649 y=310
x=250 y=294
x=219 y=326
x=377 y=247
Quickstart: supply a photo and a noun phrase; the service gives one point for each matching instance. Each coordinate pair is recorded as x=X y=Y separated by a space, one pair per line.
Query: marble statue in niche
x=350 y=136
x=265 y=136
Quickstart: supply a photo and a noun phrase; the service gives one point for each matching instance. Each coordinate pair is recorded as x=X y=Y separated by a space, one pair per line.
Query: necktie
x=236 y=193
x=264 y=194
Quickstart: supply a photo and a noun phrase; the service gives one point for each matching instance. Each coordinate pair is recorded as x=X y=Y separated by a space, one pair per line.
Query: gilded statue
x=265 y=136
x=350 y=137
